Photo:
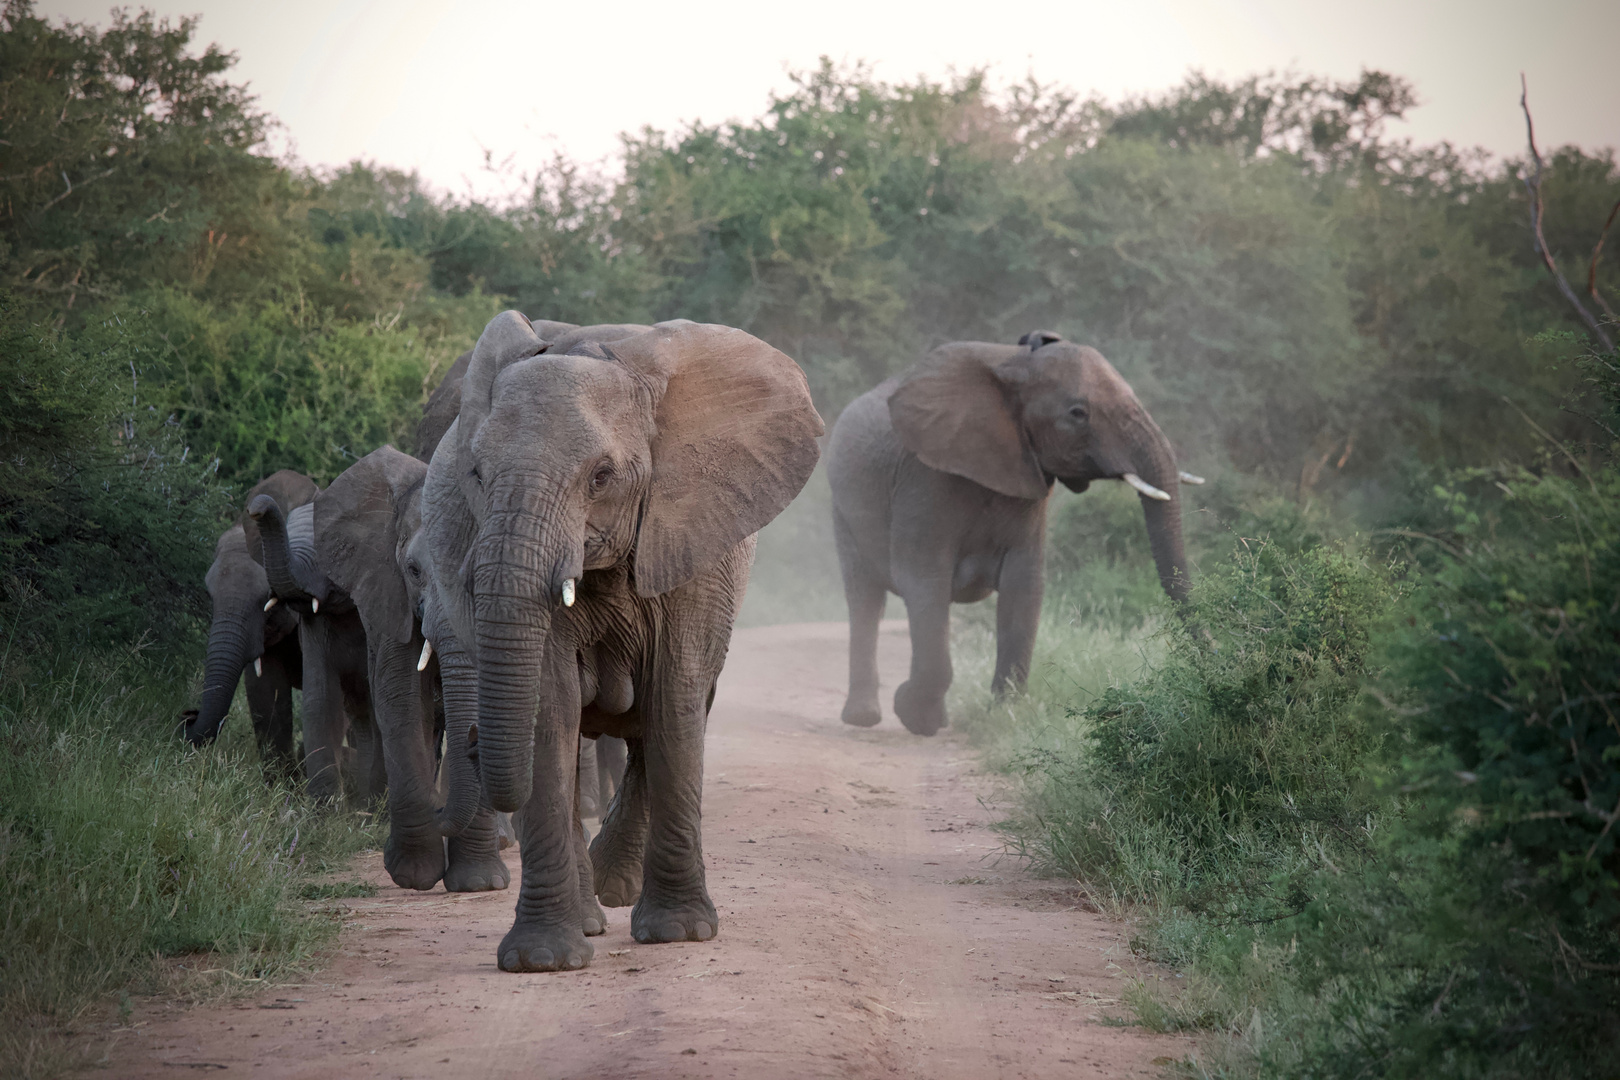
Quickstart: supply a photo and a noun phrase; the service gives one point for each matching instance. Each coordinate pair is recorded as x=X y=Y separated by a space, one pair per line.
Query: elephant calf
x=940 y=480
x=246 y=636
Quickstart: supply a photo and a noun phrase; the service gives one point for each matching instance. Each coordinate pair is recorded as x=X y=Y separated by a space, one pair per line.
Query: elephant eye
x=478 y=477
x=1078 y=412
x=601 y=477
x=416 y=571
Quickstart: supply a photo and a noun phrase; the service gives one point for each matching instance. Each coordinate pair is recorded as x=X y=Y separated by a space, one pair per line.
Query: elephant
x=366 y=529
x=602 y=760
x=244 y=636
x=591 y=517
x=332 y=639
x=940 y=479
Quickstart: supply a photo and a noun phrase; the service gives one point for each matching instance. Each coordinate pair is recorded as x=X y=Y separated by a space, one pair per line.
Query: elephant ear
x=359 y=521
x=736 y=440
x=956 y=413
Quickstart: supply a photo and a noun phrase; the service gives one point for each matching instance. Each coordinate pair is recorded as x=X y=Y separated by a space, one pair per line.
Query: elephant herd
x=522 y=625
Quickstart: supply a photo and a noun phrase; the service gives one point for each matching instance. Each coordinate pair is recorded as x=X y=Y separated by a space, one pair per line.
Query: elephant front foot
x=861 y=710
x=618 y=885
x=417 y=865
x=922 y=714
x=654 y=922
x=506 y=829
x=530 y=947
x=594 y=922
x=474 y=868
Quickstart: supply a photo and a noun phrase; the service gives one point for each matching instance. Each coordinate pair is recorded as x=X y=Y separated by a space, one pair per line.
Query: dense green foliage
x=1367 y=790
x=1371 y=808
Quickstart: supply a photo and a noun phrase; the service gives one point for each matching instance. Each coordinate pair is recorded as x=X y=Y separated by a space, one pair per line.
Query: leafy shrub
x=107 y=519
x=1239 y=765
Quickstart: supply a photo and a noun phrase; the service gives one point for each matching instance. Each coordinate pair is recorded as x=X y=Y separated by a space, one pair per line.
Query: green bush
x=107 y=518
x=1234 y=770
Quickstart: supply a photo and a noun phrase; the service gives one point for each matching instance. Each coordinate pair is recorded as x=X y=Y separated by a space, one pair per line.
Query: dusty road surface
x=866 y=930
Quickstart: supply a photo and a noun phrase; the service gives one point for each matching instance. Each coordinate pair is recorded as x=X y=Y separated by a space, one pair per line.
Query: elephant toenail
x=510 y=960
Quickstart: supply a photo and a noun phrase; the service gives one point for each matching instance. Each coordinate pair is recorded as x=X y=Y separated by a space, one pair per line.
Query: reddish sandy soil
x=867 y=929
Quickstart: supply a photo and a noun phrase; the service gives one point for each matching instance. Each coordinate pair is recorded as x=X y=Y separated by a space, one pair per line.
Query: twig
x=1533 y=188
x=1591 y=271
x=1543 y=433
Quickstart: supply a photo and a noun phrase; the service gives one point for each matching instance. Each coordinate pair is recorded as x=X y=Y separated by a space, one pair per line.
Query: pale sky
x=430 y=84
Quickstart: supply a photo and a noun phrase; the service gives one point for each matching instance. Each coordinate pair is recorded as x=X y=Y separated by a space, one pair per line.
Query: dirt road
x=866 y=930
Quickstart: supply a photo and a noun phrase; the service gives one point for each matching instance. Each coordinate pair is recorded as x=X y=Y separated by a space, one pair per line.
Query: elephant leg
x=323 y=715
x=590 y=800
x=402 y=710
x=920 y=700
x=610 y=757
x=620 y=847
x=675 y=903
x=370 y=771
x=548 y=933
x=269 y=697
x=594 y=920
x=866 y=596
x=1018 y=617
x=475 y=856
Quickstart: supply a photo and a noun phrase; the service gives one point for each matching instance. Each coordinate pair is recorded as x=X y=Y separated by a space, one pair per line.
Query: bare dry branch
x=1591 y=271
x=1533 y=188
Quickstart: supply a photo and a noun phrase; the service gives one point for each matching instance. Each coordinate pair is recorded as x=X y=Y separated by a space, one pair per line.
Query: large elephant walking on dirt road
x=591 y=516
x=940 y=481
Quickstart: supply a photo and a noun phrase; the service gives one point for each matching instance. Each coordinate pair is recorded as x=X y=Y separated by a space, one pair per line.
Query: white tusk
x=272 y=602
x=258 y=665
x=1145 y=488
x=315 y=605
x=568 y=593
x=1189 y=478
x=427 y=654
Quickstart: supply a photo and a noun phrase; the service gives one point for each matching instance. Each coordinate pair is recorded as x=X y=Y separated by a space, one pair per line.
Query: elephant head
x=1016 y=417
x=241 y=629
x=287 y=549
x=657 y=453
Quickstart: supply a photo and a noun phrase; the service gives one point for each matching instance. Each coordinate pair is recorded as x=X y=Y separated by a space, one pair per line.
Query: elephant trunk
x=289 y=552
x=527 y=569
x=235 y=637
x=1155 y=462
x=459 y=683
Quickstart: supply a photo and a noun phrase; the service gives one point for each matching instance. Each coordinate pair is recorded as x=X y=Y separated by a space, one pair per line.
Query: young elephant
x=332 y=640
x=366 y=524
x=591 y=517
x=244 y=636
x=940 y=480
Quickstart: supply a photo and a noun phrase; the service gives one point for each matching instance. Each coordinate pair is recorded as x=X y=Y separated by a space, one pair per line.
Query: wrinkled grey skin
x=365 y=527
x=337 y=696
x=940 y=480
x=241 y=632
x=636 y=473
x=601 y=762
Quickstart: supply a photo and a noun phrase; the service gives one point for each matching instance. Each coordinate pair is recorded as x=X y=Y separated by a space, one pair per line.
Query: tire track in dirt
x=866 y=931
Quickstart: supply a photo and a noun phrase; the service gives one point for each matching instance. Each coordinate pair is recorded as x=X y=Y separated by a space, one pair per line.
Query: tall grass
x=120 y=847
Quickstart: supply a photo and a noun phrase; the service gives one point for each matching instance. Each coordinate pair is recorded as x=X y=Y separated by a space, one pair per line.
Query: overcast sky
x=431 y=84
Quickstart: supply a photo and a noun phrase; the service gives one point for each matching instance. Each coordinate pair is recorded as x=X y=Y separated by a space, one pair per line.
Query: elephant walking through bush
x=940 y=480
x=591 y=515
x=250 y=643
